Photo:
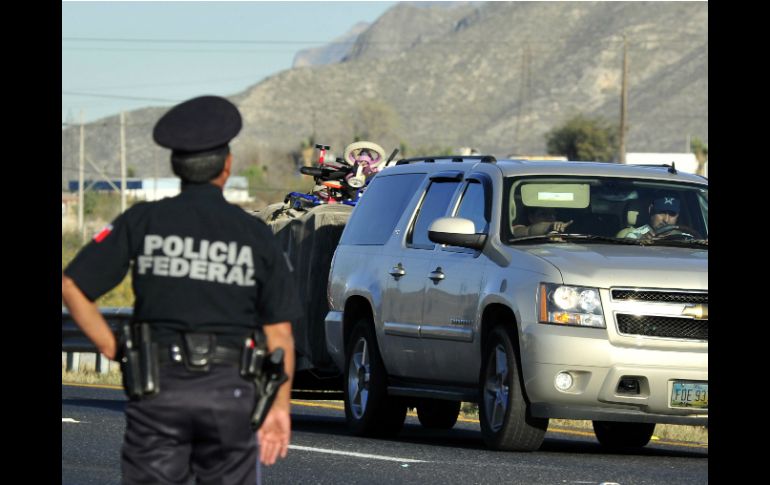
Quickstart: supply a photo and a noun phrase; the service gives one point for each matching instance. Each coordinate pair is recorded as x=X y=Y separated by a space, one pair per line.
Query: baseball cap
x=665 y=204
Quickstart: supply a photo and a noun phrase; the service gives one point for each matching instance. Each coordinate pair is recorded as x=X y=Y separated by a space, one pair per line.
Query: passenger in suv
x=434 y=300
x=542 y=220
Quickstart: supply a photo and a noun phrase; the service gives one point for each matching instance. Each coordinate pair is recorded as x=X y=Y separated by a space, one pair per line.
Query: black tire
x=616 y=435
x=506 y=423
x=438 y=413
x=368 y=408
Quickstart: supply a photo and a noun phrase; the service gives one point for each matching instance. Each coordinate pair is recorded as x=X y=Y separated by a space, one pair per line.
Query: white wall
x=236 y=189
x=686 y=162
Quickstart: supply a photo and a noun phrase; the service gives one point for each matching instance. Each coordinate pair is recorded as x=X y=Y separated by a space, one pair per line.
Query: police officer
x=205 y=276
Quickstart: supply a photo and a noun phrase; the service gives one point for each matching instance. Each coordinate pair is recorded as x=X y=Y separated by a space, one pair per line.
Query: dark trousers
x=196 y=428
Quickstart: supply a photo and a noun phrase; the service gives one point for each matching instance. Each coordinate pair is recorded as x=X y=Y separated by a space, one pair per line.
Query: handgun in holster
x=266 y=371
x=138 y=357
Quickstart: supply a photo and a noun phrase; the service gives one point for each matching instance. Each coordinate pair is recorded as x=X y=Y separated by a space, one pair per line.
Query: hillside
x=496 y=76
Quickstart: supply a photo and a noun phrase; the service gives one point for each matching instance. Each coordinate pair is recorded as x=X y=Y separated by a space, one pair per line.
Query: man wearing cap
x=205 y=275
x=664 y=211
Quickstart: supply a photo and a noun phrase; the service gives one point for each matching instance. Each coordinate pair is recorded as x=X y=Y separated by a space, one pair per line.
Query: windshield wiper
x=559 y=237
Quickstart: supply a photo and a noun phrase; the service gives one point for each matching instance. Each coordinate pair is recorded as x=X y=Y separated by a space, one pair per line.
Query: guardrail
x=74 y=342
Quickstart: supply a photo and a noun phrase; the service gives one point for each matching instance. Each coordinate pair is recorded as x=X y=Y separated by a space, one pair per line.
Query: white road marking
x=68 y=420
x=357 y=455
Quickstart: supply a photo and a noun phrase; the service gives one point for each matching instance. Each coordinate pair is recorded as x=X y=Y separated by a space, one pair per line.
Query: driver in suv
x=664 y=211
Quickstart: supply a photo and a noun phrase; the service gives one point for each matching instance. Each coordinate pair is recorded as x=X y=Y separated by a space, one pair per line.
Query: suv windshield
x=608 y=209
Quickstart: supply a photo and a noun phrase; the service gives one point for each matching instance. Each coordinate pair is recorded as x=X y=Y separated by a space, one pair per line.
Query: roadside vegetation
x=90 y=376
x=120 y=296
x=584 y=138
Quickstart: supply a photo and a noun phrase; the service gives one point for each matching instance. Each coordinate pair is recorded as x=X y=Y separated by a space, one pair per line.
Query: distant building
x=236 y=189
x=686 y=162
x=467 y=151
x=542 y=158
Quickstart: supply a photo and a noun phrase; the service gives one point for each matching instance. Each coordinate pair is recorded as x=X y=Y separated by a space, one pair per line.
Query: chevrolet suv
x=434 y=301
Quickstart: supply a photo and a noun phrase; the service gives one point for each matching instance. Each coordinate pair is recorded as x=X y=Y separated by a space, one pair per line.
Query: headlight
x=570 y=305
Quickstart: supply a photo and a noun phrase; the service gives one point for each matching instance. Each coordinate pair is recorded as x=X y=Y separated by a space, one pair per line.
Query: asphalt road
x=323 y=452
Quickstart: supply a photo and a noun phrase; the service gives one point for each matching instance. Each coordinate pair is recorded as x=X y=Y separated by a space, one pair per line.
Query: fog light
x=563 y=381
x=628 y=385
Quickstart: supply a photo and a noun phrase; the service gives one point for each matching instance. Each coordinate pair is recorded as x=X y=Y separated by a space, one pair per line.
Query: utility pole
x=122 y=162
x=623 y=104
x=80 y=179
x=314 y=135
x=524 y=93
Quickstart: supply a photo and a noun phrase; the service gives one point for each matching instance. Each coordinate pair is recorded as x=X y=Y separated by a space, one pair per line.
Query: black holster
x=266 y=371
x=138 y=361
x=198 y=350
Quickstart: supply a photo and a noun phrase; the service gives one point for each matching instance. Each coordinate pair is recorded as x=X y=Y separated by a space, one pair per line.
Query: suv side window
x=473 y=206
x=434 y=205
x=381 y=206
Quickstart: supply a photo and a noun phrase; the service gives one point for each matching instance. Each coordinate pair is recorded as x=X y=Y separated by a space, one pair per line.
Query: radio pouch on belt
x=252 y=355
x=199 y=350
x=139 y=361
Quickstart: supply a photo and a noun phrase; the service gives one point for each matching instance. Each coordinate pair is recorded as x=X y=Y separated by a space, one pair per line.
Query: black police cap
x=200 y=124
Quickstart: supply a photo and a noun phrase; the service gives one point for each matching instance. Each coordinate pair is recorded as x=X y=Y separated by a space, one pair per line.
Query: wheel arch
x=498 y=314
x=357 y=307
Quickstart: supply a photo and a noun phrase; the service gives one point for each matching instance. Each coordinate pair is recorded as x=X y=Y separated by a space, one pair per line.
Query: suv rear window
x=376 y=214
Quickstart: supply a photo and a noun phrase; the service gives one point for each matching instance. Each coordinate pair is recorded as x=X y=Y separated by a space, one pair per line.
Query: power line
x=681 y=39
x=200 y=41
x=191 y=51
x=116 y=96
x=447 y=113
x=156 y=85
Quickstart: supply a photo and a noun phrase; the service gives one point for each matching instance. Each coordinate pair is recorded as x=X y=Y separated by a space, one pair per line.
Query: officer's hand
x=274 y=435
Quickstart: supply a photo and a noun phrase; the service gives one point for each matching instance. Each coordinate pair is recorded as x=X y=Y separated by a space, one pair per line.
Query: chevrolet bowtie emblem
x=698 y=312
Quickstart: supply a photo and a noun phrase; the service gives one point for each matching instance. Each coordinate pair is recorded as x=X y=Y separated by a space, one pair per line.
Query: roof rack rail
x=670 y=166
x=453 y=158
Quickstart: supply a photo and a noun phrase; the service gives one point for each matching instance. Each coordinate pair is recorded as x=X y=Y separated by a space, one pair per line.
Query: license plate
x=689 y=395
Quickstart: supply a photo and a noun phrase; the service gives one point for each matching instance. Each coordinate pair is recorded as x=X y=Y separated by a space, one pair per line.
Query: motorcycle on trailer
x=343 y=180
x=308 y=228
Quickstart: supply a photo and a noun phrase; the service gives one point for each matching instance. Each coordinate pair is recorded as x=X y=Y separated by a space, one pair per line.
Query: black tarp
x=309 y=238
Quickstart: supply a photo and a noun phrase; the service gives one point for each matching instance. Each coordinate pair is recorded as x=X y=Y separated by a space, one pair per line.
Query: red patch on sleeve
x=103 y=233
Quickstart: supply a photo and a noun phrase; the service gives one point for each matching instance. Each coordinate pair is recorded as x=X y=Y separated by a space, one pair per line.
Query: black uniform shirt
x=198 y=263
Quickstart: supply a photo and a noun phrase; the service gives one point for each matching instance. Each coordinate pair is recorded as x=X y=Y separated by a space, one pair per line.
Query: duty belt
x=220 y=355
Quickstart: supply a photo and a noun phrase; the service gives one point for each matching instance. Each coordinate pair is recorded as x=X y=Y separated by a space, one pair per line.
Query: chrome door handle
x=397 y=271
x=437 y=275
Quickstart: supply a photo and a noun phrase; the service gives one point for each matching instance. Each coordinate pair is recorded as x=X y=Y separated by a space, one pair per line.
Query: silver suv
x=539 y=290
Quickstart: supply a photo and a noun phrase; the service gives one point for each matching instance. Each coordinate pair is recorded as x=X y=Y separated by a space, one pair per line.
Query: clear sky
x=120 y=56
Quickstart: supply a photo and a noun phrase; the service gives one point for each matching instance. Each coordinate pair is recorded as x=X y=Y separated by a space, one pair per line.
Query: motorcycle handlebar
x=324 y=173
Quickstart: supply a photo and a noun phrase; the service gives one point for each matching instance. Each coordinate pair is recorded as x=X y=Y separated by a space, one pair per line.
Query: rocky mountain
x=334 y=52
x=496 y=76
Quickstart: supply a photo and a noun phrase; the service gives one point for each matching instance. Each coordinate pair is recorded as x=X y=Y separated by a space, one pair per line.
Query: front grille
x=669 y=327
x=660 y=296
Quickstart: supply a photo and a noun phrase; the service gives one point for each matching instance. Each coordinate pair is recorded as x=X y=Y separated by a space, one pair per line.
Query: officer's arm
x=88 y=317
x=280 y=335
x=275 y=433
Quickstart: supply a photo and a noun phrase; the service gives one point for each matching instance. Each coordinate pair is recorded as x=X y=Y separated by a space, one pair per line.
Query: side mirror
x=456 y=231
